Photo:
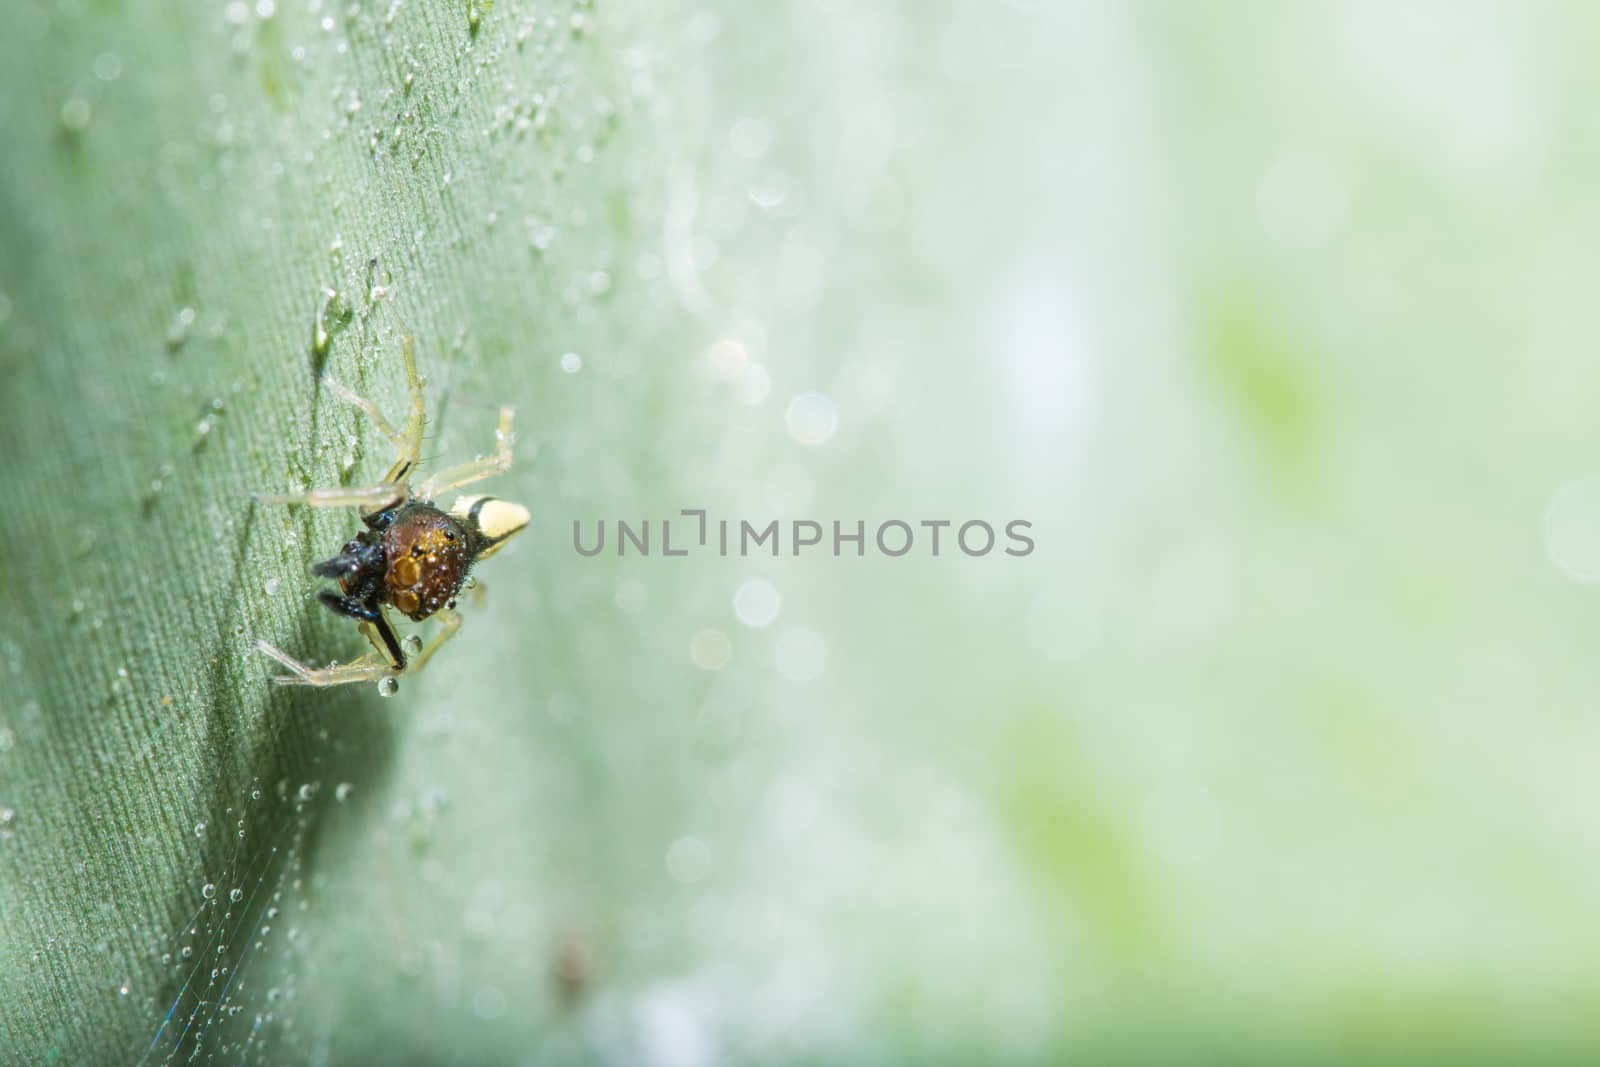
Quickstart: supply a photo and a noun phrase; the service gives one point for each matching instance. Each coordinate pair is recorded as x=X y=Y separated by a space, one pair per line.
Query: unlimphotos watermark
x=740 y=537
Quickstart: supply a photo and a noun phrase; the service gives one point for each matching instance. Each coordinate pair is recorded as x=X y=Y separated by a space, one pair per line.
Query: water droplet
x=342 y=791
x=728 y=358
x=812 y=418
x=688 y=860
x=305 y=791
x=208 y=890
x=769 y=193
x=200 y=829
x=489 y=1003
x=1572 y=529
x=710 y=650
x=8 y=819
x=236 y=894
x=332 y=315
x=123 y=989
x=572 y=363
x=541 y=234
x=188 y=950
x=757 y=603
x=178 y=332
x=412 y=644
x=76 y=115
x=388 y=687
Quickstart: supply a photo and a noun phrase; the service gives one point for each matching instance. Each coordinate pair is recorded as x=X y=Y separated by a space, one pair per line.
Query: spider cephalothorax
x=415 y=558
x=412 y=556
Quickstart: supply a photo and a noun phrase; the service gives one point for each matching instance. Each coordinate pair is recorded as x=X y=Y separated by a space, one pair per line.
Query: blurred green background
x=1274 y=320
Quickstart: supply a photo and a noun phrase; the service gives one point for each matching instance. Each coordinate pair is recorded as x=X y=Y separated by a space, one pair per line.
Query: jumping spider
x=412 y=556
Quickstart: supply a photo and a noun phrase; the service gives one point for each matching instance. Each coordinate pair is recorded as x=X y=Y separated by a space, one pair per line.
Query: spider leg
x=478 y=469
x=400 y=441
x=407 y=441
x=449 y=623
x=367 y=497
x=374 y=625
x=381 y=634
x=363 y=670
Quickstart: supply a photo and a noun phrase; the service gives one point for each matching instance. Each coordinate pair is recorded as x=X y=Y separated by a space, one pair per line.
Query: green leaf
x=1214 y=774
x=198 y=208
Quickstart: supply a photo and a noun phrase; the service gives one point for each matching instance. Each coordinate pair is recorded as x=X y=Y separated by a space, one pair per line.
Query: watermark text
x=695 y=532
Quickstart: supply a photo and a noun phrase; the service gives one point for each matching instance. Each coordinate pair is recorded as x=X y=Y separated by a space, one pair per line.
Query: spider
x=412 y=556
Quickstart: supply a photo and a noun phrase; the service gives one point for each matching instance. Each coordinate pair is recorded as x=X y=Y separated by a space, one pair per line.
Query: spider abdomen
x=428 y=559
